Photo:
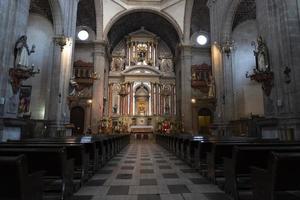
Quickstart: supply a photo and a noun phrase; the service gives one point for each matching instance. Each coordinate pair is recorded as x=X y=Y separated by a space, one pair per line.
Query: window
x=83 y=35
x=202 y=40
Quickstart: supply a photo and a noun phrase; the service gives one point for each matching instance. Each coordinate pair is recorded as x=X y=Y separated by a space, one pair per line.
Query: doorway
x=77 y=118
x=205 y=119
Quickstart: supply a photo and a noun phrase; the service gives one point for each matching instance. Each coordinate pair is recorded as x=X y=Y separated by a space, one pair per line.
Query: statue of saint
x=262 y=56
x=166 y=65
x=116 y=64
x=22 y=53
x=212 y=88
x=115 y=109
x=73 y=87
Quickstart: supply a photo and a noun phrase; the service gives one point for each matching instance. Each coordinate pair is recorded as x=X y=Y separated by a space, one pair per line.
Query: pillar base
x=57 y=129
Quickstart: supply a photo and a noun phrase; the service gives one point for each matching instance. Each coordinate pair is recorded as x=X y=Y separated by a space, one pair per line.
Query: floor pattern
x=146 y=171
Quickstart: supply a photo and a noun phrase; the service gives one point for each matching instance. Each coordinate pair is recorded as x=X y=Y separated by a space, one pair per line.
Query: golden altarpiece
x=141 y=91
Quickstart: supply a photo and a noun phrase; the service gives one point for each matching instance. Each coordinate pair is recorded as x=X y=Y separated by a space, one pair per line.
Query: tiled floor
x=145 y=171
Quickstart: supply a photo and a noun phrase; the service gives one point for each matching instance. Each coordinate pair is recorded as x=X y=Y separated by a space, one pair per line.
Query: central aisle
x=146 y=171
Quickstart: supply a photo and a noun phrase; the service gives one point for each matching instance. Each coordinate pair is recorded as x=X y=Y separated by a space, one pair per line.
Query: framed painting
x=24 y=101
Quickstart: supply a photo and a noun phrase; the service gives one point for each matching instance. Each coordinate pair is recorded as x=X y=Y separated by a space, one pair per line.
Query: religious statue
x=115 y=109
x=117 y=64
x=262 y=56
x=22 y=53
x=73 y=87
x=166 y=65
x=212 y=88
x=141 y=108
x=166 y=127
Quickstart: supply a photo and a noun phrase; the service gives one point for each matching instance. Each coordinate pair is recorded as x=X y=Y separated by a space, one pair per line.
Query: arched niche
x=205 y=119
x=77 y=117
x=142 y=100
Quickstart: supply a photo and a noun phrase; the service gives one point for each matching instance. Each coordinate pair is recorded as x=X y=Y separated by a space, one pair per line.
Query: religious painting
x=201 y=75
x=24 y=100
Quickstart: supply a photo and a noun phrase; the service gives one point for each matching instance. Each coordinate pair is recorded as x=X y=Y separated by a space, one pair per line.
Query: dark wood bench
x=237 y=169
x=223 y=148
x=74 y=151
x=16 y=183
x=90 y=147
x=58 y=176
x=282 y=175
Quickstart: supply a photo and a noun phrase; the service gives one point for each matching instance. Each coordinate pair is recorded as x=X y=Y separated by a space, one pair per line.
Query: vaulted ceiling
x=246 y=10
x=86 y=14
x=41 y=7
x=200 y=17
x=150 y=21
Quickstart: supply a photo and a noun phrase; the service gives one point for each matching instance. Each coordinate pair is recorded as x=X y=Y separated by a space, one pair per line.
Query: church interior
x=149 y=99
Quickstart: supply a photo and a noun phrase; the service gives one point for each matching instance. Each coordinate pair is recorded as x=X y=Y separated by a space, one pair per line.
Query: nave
x=146 y=171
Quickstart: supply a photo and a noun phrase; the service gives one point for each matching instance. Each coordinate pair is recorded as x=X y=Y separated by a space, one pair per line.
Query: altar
x=141 y=84
x=141 y=132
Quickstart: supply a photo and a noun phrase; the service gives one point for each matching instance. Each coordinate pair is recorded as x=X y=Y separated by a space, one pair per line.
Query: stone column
x=228 y=100
x=172 y=106
x=58 y=109
x=157 y=98
x=186 y=90
x=55 y=121
x=99 y=86
x=131 y=99
x=219 y=81
x=152 y=98
x=110 y=107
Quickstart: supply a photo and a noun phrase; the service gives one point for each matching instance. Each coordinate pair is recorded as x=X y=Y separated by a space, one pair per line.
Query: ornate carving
x=266 y=78
x=262 y=73
x=201 y=77
x=18 y=75
x=80 y=88
x=117 y=64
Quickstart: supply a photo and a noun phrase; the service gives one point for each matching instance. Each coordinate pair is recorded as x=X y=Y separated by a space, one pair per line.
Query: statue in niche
x=117 y=64
x=73 y=87
x=115 y=109
x=212 y=88
x=22 y=53
x=262 y=56
x=166 y=65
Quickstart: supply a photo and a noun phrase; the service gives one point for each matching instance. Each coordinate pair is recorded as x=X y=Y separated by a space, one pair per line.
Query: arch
x=188 y=20
x=57 y=15
x=228 y=20
x=205 y=119
x=123 y=24
x=130 y=11
x=230 y=14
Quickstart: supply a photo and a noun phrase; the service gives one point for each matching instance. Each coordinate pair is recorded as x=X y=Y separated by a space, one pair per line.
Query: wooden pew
x=282 y=175
x=74 y=151
x=211 y=152
x=88 y=142
x=58 y=169
x=237 y=169
x=16 y=183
